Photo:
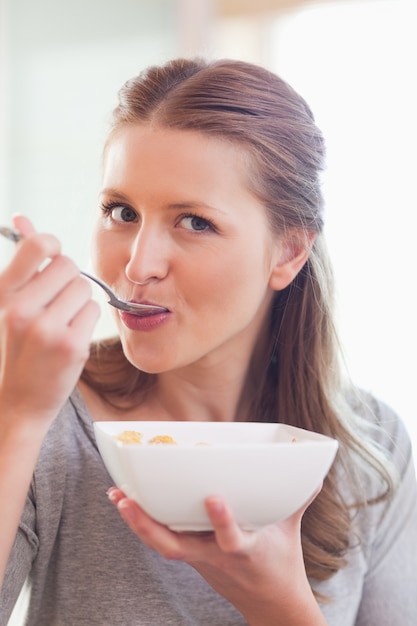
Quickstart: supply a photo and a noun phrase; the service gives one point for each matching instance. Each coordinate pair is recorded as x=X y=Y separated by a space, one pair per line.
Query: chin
x=149 y=365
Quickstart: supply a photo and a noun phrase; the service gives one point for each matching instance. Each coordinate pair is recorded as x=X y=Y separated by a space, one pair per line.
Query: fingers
x=60 y=288
x=47 y=317
x=28 y=295
x=23 y=224
x=229 y=536
x=39 y=276
x=52 y=301
x=190 y=547
x=156 y=536
x=30 y=254
x=83 y=323
x=57 y=283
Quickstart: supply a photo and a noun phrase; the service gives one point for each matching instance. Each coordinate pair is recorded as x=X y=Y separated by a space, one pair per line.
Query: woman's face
x=178 y=228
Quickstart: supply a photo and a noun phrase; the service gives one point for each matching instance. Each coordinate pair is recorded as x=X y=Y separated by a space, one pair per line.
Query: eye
x=123 y=214
x=196 y=223
x=119 y=213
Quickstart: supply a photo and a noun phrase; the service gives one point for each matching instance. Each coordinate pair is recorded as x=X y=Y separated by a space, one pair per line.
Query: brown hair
x=302 y=384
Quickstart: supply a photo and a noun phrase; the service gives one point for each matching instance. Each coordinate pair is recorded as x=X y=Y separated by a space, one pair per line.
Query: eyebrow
x=189 y=205
x=182 y=205
x=116 y=194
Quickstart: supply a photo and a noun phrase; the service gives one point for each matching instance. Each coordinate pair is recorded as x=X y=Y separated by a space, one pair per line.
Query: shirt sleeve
x=23 y=553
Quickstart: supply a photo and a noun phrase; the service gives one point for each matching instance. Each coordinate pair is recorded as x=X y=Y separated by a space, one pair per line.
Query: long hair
x=302 y=383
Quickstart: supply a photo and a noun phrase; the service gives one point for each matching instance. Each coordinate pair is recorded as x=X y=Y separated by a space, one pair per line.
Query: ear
x=291 y=254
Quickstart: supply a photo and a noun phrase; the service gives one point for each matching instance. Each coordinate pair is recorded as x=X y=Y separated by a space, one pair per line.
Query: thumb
x=23 y=224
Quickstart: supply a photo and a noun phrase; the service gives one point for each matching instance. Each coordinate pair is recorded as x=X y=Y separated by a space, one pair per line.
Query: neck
x=221 y=391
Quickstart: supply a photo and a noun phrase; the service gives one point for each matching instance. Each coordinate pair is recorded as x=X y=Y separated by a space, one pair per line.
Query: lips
x=147 y=322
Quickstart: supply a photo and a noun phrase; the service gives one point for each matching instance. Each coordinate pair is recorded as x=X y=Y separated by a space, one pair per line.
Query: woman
x=211 y=208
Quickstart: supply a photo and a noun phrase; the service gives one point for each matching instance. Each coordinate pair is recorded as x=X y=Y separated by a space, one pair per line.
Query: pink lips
x=144 y=322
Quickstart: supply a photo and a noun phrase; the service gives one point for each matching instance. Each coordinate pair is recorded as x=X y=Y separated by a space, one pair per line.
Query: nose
x=148 y=258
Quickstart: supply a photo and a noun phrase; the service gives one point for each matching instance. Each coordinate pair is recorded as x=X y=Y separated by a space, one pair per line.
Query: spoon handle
x=11 y=233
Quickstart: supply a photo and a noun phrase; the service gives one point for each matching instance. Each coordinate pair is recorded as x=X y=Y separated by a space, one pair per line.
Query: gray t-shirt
x=86 y=567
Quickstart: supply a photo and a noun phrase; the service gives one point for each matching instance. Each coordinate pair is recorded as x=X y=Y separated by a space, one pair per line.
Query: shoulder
x=392 y=552
x=380 y=425
x=388 y=442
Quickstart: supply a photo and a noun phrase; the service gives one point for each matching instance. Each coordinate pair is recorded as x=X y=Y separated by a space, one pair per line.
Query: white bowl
x=265 y=472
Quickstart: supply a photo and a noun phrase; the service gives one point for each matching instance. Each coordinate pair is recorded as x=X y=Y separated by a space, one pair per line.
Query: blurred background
x=62 y=62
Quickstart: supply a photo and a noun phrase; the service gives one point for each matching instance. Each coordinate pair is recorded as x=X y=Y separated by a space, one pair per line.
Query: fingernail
x=216 y=504
x=126 y=510
x=111 y=494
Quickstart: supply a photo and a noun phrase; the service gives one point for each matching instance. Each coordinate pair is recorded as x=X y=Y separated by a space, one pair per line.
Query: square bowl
x=265 y=472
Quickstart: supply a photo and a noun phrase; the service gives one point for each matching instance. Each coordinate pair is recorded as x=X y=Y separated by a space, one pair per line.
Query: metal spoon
x=131 y=307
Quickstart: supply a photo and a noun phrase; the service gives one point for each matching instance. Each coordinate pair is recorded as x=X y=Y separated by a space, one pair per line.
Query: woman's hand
x=260 y=572
x=46 y=320
x=47 y=317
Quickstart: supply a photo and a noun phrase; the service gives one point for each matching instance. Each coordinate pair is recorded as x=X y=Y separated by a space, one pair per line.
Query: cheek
x=222 y=286
x=104 y=257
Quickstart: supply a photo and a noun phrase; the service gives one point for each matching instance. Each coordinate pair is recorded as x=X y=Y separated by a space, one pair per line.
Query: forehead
x=149 y=138
x=170 y=155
